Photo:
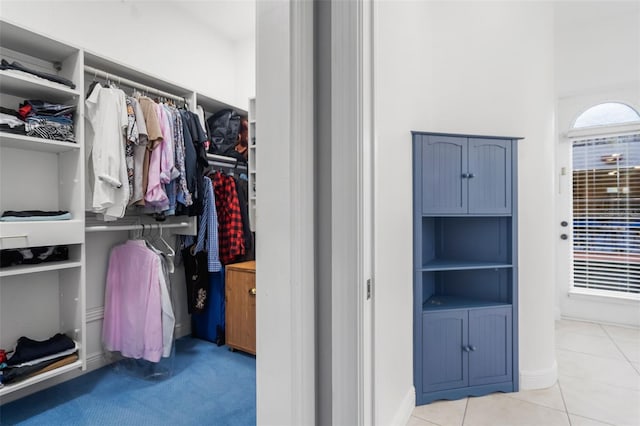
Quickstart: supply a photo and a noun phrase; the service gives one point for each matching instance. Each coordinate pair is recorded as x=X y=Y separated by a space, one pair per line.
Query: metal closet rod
x=137 y=226
x=106 y=75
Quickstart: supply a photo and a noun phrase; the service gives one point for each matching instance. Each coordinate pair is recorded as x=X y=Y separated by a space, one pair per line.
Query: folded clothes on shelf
x=33 y=255
x=34 y=215
x=28 y=349
x=11 y=122
x=32 y=357
x=10 y=375
x=48 y=120
x=5 y=65
x=48 y=109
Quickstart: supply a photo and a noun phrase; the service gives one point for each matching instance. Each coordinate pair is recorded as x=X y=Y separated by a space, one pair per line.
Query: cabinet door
x=240 y=327
x=490 y=346
x=489 y=176
x=444 y=160
x=444 y=361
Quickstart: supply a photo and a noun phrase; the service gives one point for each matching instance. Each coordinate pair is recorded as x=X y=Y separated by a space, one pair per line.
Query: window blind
x=606 y=213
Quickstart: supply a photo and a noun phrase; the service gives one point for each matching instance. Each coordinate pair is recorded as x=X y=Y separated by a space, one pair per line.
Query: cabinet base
x=427 y=398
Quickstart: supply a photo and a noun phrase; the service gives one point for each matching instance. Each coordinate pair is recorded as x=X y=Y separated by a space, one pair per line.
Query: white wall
x=245 y=71
x=156 y=37
x=597 y=55
x=461 y=67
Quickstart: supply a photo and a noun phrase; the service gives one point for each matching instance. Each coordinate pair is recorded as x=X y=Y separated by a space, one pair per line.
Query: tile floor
x=598 y=384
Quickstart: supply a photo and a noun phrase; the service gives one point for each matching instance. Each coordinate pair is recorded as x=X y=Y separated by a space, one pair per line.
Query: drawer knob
x=252 y=291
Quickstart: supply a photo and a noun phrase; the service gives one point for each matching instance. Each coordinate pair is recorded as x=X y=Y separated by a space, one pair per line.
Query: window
x=606 y=114
x=606 y=203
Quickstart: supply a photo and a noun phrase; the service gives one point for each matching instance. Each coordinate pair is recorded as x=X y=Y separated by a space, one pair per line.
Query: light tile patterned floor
x=598 y=384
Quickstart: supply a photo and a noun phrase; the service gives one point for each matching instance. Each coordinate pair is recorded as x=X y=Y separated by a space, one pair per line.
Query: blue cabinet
x=490 y=349
x=465 y=265
x=463 y=348
x=445 y=362
x=465 y=175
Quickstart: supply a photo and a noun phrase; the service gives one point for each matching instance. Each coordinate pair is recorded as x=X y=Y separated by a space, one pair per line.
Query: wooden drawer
x=240 y=316
x=35 y=234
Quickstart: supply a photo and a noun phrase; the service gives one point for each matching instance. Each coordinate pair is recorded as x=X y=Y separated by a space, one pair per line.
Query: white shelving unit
x=41 y=300
x=252 y=164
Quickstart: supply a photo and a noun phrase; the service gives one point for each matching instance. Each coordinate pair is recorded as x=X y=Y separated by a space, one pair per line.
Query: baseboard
x=96 y=360
x=539 y=379
x=180 y=331
x=406 y=408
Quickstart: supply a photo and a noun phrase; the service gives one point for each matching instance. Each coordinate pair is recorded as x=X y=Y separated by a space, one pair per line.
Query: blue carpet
x=210 y=385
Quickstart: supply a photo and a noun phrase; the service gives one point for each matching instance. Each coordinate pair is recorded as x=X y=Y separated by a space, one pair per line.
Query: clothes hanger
x=168 y=251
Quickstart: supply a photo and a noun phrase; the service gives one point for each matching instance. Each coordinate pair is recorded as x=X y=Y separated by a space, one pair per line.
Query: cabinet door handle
x=465 y=175
x=473 y=348
x=472 y=175
x=466 y=348
x=252 y=291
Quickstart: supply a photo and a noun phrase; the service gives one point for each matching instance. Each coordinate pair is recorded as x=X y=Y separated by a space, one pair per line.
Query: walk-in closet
x=127 y=234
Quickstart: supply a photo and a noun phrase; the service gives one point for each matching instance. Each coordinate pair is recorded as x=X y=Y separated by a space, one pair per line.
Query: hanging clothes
x=208 y=228
x=242 y=189
x=154 y=136
x=230 y=233
x=183 y=195
x=133 y=303
x=195 y=159
x=106 y=114
x=168 y=317
x=137 y=133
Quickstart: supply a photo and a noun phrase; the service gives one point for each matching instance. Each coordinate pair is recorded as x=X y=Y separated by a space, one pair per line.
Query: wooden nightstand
x=240 y=295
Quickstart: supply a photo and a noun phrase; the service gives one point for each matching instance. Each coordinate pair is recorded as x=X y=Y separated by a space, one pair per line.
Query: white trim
x=302 y=214
x=608 y=130
x=606 y=296
x=539 y=379
x=345 y=141
x=351 y=221
x=366 y=357
x=96 y=360
x=285 y=314
x=180 y=331
x=402 y=416
x=95 y=314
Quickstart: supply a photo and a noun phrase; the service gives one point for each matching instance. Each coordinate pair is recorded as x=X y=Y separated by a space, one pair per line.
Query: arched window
x=606 y=114
x=606 y=200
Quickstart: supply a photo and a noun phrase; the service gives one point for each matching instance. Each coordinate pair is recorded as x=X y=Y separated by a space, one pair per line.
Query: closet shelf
x=438 y=303
x=41 y=233
x=11 y=140
x=42 y=267
x=32 y=88
x=452 y=265
x=7 y=389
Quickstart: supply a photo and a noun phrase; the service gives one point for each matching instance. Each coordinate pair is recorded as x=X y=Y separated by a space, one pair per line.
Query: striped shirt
x=208 y=228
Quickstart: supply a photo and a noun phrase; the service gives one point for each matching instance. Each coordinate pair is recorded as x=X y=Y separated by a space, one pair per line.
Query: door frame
x=287 y=372
x=570 y=304
x=352 y=176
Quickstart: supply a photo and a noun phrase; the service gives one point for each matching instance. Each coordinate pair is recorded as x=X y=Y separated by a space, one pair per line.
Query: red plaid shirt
x=230 y=236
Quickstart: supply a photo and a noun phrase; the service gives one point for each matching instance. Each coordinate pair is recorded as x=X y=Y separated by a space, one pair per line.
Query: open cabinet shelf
x=17 y=141
x=35 y=88
x=7 y=389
